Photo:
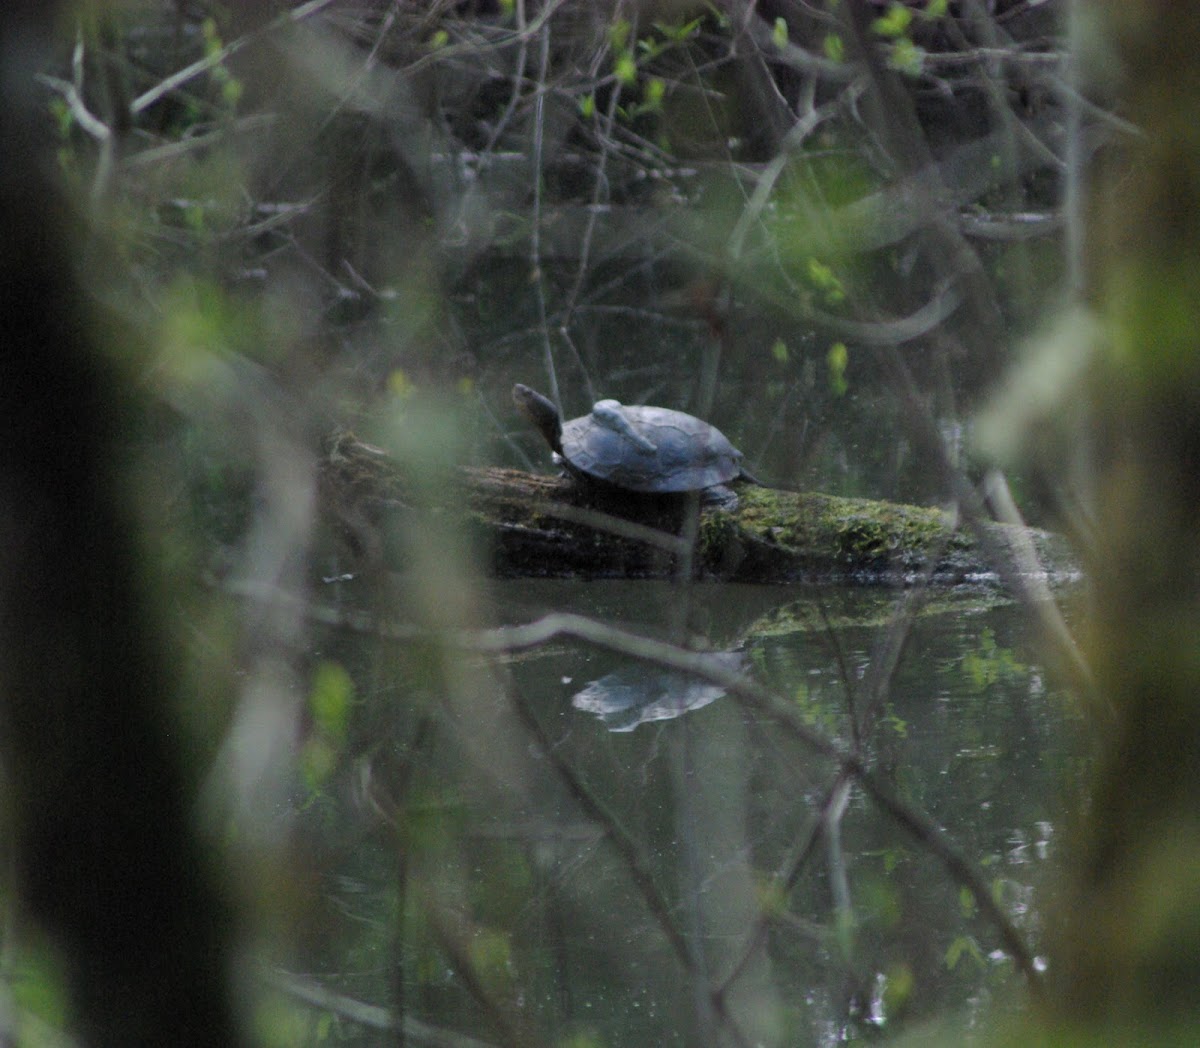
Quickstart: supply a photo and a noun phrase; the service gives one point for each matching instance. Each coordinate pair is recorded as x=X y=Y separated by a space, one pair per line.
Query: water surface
x=498 y=862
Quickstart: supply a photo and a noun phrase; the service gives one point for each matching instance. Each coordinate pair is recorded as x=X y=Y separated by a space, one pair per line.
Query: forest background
x=235 y=229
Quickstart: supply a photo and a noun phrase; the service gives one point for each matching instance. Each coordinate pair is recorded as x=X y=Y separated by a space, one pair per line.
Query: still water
x=563 y=846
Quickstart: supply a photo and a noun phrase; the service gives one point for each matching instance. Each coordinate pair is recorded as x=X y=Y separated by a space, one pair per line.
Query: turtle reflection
x=639 y=693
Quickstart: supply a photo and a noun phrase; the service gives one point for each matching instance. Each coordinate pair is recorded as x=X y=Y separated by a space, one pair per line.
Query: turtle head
x=542 y=413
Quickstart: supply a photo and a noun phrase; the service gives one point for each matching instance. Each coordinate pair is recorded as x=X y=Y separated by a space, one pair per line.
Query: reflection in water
x=545 y=875
x=639 y=694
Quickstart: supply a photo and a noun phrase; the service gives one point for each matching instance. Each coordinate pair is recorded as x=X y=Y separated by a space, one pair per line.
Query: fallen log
x=534 y=525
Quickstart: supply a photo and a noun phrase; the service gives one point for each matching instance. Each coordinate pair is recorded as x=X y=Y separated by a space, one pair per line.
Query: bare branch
x=203 y=65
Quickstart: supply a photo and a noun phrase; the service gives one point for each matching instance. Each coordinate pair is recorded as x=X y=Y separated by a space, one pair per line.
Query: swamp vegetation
x=304 y=736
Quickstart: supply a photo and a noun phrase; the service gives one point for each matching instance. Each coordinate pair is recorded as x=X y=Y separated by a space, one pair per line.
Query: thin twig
x=211 y=61
x=675 y=545
x=535 y=234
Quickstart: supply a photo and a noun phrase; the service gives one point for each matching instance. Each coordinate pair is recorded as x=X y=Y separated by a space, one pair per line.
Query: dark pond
x=562 y=846
x=503 y=865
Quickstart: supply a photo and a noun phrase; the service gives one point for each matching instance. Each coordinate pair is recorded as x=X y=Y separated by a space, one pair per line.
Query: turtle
x=638 y=694
x=640 y=449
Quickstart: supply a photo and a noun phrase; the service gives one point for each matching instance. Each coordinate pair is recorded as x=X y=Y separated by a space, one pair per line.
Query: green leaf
x=966 y=901
x=212 y=37
x=823 y=278
x=618 y=33
x=899 y=988
x=838 y=359
x=936 y=8
x=653 y=94
x=64 y=119
x=894 y=23
x=651 y=48
x=194 y=217
x=677 y=34
x=490 y=953
x=400 y=385
x=587 y=106
x=317 y=762
x=907 y=57
x=898 y=724
x=817 y=272
x=625 y=68
x=779 y=34
x=780 y=351
x=964 y=945
x=834 y=48
x=231 y=92
x=329 y=700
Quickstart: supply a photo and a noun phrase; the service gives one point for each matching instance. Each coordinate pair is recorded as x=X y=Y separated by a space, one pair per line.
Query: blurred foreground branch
x=106 y=856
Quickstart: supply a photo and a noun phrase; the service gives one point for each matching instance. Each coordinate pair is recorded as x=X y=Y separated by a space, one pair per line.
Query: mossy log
x=533 y=525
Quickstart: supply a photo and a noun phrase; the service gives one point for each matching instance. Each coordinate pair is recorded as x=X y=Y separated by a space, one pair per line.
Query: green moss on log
x=547 y=526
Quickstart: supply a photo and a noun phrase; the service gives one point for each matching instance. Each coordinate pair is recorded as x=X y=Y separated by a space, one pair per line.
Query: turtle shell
x=648 y=449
